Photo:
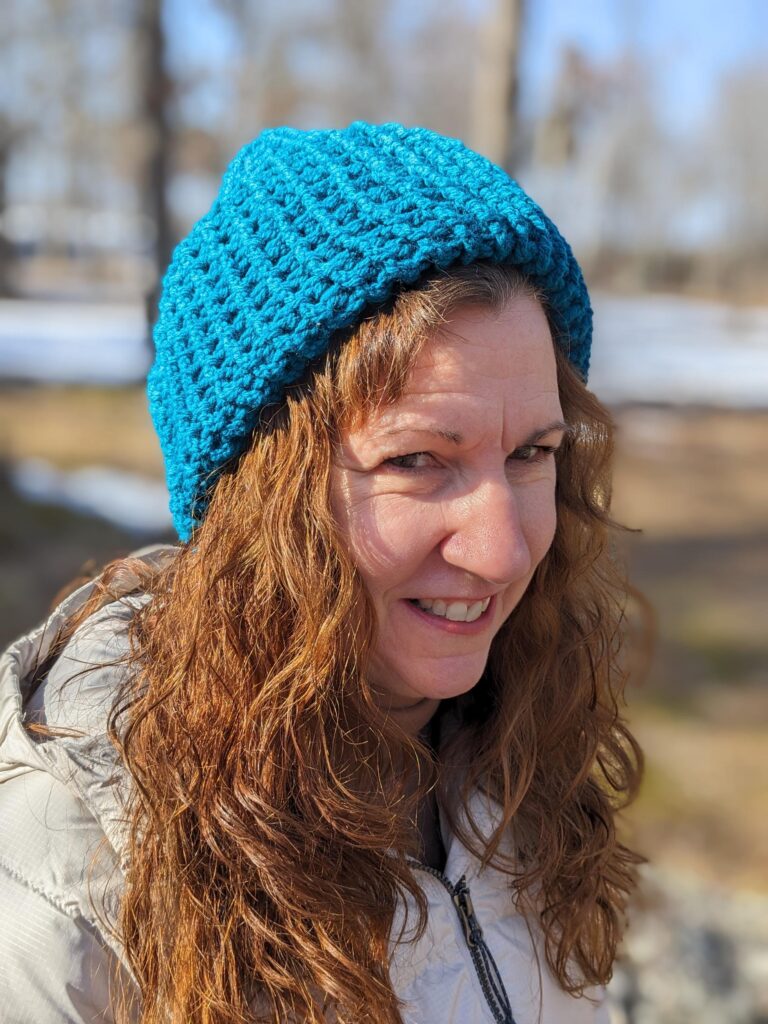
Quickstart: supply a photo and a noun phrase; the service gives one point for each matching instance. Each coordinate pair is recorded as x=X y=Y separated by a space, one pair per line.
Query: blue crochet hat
x=309 y=229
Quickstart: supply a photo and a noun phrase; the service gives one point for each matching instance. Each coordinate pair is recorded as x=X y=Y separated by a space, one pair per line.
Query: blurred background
x=640 y=127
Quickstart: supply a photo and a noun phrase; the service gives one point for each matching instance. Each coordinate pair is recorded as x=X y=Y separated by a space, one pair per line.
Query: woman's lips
x=448 y=625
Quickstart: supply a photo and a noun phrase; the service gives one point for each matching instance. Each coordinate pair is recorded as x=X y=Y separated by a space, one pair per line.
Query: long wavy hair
x=272 y=820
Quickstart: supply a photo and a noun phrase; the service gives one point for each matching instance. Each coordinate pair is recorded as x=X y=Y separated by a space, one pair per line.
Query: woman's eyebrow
x=456 y=438
x=555 y=425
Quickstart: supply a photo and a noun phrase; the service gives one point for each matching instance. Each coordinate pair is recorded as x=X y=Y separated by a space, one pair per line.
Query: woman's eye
x=527 y=455
x=408 y=461
x=534 y=452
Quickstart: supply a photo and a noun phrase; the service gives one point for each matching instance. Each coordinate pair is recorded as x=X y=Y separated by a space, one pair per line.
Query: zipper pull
x=462 y=900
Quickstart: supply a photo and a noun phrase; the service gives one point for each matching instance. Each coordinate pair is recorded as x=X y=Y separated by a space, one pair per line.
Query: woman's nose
x=485 y=534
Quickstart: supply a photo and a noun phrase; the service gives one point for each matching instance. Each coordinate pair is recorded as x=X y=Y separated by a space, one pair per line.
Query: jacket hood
x=76 y=695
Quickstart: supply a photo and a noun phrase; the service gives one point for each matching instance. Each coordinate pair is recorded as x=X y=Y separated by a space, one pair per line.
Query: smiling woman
x=352 y=750
x=466 y=527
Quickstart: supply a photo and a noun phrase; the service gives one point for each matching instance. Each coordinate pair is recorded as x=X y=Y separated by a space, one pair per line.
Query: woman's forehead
x=462 y=417
x=483 y=360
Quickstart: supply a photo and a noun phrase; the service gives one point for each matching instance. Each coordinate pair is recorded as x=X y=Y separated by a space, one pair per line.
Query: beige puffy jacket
x=62 y=862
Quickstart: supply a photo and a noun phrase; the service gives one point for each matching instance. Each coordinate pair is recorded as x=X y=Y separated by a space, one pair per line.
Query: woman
x=352 y=750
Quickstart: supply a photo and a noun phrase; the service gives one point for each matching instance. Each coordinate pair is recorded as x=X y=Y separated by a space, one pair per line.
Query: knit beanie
x=309 y=232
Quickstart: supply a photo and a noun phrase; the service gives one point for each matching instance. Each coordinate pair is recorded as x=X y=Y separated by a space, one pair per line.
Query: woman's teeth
x=456 y=611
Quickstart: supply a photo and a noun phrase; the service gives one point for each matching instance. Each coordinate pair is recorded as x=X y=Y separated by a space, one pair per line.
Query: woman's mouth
x=456 y=611
x=454 y=616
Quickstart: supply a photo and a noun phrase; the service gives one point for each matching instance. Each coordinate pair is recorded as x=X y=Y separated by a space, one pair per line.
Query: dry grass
x=692 y=473
x=79 y=426
x=705 y=797
x=694 y=481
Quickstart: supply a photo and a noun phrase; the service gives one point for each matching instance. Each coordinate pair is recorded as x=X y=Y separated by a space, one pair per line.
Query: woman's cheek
x=405 y=526
x=388 y=535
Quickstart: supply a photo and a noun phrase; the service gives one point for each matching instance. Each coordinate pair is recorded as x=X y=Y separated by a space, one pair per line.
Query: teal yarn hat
x=309 y=231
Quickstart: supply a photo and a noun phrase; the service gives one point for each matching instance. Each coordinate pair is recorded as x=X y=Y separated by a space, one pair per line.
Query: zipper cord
x=478 y=946
x=485 y=966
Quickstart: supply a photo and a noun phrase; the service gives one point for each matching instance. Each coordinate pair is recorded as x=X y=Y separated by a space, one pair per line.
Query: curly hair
x=271 y=823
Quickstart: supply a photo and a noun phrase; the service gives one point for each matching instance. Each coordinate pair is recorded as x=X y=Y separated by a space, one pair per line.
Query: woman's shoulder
x=63 y=797
x=73 y=689
x=60 y=887
x=63 y=790
x=59 y=872
x=76 y=692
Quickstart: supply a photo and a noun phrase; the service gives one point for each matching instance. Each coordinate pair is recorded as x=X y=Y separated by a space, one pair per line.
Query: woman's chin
x=440 y=686
x=412 y=676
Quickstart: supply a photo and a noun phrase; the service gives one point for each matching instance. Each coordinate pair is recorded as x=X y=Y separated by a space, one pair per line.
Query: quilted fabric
x=310 y=230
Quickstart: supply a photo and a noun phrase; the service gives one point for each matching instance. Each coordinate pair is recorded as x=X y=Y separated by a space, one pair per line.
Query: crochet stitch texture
x=309 y=230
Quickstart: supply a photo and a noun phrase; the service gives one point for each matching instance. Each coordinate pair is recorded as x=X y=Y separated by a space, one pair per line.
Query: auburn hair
x=270 y=821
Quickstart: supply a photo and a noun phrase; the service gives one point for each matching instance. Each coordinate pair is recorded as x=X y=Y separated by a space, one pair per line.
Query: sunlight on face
x=448 y=496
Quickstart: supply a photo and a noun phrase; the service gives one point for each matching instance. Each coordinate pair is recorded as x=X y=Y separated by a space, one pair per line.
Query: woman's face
x=447 y=498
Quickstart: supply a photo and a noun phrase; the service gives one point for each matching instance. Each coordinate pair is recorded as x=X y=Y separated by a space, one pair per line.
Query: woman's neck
x=414 y=718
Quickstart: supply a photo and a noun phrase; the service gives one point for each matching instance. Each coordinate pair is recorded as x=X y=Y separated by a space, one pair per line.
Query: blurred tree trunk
x=156 y=101
x=495 y=120
x=6 y=144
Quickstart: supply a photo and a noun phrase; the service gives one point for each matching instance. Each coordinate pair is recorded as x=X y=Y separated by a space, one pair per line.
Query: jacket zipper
x=485 y=966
